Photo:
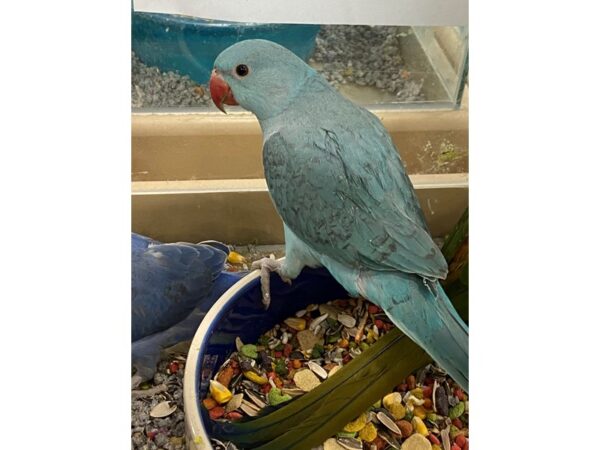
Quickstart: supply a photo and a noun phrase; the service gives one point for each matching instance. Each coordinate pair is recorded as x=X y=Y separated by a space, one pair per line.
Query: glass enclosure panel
x=391 y=66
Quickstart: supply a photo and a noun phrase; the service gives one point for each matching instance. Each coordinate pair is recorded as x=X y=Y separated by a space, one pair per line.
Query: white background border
x=353 y=12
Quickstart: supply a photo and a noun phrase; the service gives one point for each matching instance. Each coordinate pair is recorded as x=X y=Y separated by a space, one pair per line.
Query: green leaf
x=456 y=237
x=458 y=293
x=456 y=252
x=309 y=420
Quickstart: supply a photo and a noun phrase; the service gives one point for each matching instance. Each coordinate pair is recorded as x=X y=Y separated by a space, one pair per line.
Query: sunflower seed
x=346 y=320
x=330 y=310
x=354 y=352
x=388 y=422
x=322 y=373
x=331 y=331
x=256 y=399
x=265 y=360
x=389 y=438
x=350 y=443
x=236 y=381
x=352 y=331
x=294 y=392
x=331 y=444
x=453 y=401
x=333 y=371
x=163 y=409
x=273 y=343
x=234 y=403
x=445 y=435
x=249 y=409
x=317 y=321
x=238 y=344
x=440 y=399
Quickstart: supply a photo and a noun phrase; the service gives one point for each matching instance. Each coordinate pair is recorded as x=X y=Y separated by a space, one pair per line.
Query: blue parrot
x=347 y=204
x=172 y=288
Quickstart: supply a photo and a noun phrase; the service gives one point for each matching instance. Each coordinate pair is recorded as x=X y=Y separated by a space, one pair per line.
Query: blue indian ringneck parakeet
x=172 y=288
x=347 y=204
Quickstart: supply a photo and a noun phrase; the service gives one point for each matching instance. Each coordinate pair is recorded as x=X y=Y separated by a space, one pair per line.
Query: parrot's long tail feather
x=423 y=311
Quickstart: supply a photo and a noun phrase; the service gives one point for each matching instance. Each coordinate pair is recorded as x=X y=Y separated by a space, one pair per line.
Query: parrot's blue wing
x=366 y=216
x=168 y=281
x=145 y=352
x=139 y=242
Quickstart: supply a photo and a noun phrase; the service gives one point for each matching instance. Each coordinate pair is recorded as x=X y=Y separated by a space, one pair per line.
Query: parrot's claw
x=266 y=266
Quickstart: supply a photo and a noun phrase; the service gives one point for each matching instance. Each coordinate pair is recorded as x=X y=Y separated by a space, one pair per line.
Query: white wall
x=356 y=12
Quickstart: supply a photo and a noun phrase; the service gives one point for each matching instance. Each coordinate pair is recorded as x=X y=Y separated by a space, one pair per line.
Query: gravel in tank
x=359 y=56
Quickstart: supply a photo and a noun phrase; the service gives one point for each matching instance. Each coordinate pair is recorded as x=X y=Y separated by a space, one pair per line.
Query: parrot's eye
x=242 y=70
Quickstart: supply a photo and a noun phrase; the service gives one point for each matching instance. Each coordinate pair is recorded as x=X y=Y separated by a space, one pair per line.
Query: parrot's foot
x=266 y=266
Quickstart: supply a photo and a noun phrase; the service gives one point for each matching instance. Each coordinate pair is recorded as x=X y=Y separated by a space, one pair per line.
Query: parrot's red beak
x=220 y=91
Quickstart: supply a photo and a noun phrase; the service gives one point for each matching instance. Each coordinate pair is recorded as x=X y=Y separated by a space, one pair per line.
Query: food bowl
x=190 y=45
x=240 y=312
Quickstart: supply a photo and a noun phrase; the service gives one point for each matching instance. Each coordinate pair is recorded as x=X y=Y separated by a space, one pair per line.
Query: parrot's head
x=261 y=76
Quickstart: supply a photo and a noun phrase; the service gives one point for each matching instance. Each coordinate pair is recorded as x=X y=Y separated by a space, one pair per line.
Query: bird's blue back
x=140 y=242
x=169 y=280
